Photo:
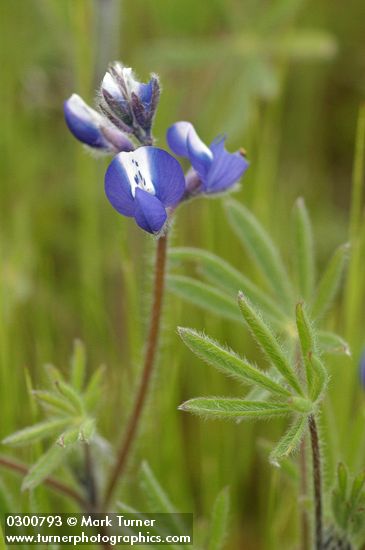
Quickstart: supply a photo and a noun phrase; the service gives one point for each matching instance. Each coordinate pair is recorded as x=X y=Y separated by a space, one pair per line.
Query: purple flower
x=144 y=183
x=93 y=129
x=131 y=102
x=362 y=369
x=214 y=169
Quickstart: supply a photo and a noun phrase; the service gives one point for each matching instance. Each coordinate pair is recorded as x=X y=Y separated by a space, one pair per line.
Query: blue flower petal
x=84 y=122
x=200 y=155
x=145 y=92
x=177 y=137
x=164 y=171
x=226 y=170
x=118 y=187
x=185 y=142
x=150 y=213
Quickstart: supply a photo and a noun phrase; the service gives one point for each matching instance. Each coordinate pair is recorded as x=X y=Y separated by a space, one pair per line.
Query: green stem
x=317 y=482
x=149 y=361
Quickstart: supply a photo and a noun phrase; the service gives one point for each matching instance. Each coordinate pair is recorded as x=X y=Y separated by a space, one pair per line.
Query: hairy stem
x=149 y=360
x=317 y=482
x=304 y=520
x=304 y=523
x=51 y=482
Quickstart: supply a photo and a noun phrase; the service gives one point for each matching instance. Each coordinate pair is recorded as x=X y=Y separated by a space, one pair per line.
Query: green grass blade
x=204 y=296
x=289 y=442
x=219 y=521
x=228 y=362
x=303 y=250
x=2 y=541
x=225 y=407
x=268 y=342
x=330 y=282
x=220 y=273
x=262 y=250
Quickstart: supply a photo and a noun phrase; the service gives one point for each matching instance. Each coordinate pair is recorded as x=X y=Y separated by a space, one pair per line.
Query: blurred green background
x=284 y=79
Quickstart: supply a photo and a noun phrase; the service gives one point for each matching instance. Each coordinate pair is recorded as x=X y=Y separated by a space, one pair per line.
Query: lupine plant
x=145 y=183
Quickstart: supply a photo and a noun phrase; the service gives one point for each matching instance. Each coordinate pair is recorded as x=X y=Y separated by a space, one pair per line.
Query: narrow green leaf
x=228 y=362
x=303 y=250
x=159 y=500
x=225 y=407
x=204 y=296
x=53 y=373
x=268 y=342
x=320 y=377
x=37 y=432
x=342 y=476
x=94 y=388
x=54 y=402
x=220 y=273
x=330 y=282
x=46 y=464
x=71 y=395
x=329 y=342
x=78 y=365
x=219 y=521
x=356 y=490
x=307 y=341
x=261 y=248
x=290 y=441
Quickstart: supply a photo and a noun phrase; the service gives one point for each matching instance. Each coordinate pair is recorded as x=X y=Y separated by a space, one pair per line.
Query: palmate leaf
x=268 y=342
x=229 y=363
x=46 y=464
x=226 y=408
x=225 y=276
x=330 y=282
x=37 y=432
x=289 y=442
x=303 y=250
x=204 y=295
x=262 y=250
x=219 y=521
